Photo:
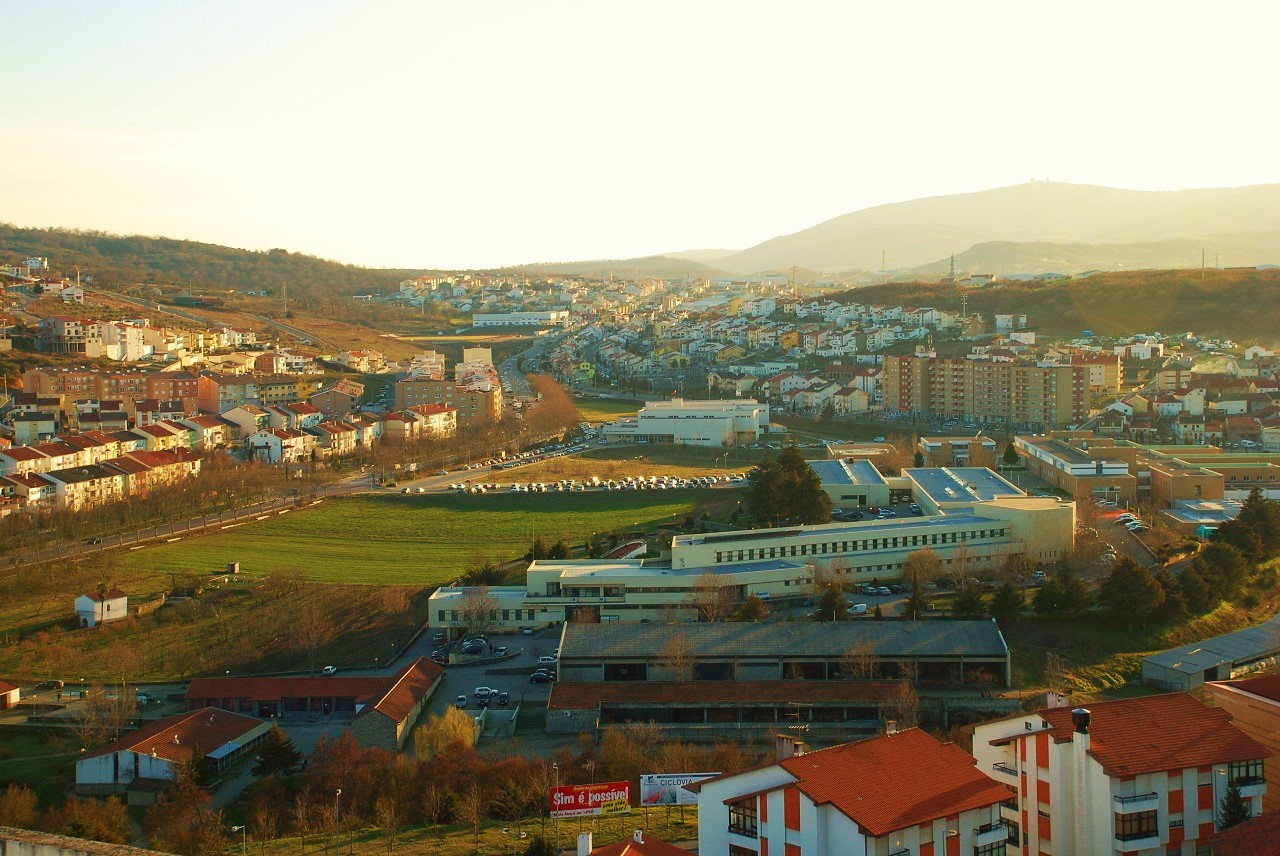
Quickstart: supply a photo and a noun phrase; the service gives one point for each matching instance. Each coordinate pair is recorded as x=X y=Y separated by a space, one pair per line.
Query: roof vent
x=176 y=741
x=1080 y=719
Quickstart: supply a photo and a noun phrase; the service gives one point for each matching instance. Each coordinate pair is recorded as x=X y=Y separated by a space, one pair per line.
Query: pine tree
x=969 y=604
x=277 y=756
x=1007 y=603
x=1011 y=455
x=1234 y=809
x=915 y=605
x=919 y=459
x=1130 y=593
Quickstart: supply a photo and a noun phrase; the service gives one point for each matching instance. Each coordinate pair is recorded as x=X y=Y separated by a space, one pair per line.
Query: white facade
x=549 y=318
x=724 y=422
x=90 y=611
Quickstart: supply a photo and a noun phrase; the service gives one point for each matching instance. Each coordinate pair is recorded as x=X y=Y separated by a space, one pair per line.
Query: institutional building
x=973 y=519
x=549 y=318
x=1046 y=396
x=1133 y=775
x=721 y=422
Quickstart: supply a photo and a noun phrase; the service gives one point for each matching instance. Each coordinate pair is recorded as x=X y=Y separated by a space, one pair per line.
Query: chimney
x=787 y=747
x=638 y=837
x=891 y=726
x=584 y=844
x=1080 y=717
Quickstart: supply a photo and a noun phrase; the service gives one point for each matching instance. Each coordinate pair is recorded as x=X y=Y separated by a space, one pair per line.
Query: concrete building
x=903 y=793
x=1047 y=396
x=152 y=752
x=1142 y=775
x=1221 y=658
x=958 y=451
x=724 y=422
x=549 y=318
x=1254 y=705
x=476 y=406
x=852 y=482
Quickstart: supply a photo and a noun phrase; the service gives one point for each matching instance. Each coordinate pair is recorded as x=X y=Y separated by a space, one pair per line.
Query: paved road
x=296 y=332
x=158 y=307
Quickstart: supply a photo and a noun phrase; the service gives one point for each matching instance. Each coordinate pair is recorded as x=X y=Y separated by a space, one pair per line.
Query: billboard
x=586 y=800
x=668 y=788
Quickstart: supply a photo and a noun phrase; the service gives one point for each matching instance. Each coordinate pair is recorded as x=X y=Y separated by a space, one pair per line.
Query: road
x=296 y=332
x=158 y=307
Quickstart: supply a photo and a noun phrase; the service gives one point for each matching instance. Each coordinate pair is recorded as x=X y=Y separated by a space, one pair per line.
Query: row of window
x=842 y=547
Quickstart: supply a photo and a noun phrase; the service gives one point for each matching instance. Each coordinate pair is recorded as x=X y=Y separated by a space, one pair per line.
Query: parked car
x=526 y=631
x=329 y=670
x=877 y=439
x=483 y=692
x=541 y=677
x=50 y=685
x=546 y=660
x=504 y=699
x=857 y=609
x=915 y=508
x=853 y=515
x=460 y=702
x=501 y=651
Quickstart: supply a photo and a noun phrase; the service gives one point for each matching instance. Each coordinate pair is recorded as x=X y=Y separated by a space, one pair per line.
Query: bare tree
x=678 y=657
x=1055 y=672
x=711 y=597
x=435 y=804
x=923 y=565
x=901 y=705
x=313 y=629
x=263 y=825
x=300 y=812
x=479 y=609
x=859 y=661
x=388 y=817
x=473 y=806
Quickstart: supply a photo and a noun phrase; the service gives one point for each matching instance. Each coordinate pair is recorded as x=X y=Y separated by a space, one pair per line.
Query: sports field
x=414 y=540
x=605 y=409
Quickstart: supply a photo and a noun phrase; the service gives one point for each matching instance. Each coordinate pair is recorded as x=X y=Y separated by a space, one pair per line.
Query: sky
x=476 y=134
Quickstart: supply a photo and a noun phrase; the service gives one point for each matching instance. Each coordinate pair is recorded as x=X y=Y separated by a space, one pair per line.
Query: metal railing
x=1136 y=798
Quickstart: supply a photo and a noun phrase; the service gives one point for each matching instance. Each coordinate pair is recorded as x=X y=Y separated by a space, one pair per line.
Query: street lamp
x=244 y=841
x=336 y=794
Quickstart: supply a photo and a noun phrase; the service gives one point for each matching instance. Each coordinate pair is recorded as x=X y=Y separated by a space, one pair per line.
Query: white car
x=484 y=692
x=546 y=660
x=329 y=670
x=857 y=609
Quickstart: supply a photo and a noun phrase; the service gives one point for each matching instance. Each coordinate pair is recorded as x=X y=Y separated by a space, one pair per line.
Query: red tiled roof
x=1155 y=734
x=110 y=594
x=6 y=687
x=411 y=683
x=173 y=737
x=23 y=453
x=936 y=780
x=586 y=695
x=29 y=480
x=646 y=847
x=430 y=409
x=1255 y=837
x=1266 y=686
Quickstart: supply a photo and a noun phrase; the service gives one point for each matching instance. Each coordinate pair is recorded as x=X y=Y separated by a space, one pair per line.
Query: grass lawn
x=43 y=762
x=605 y=409
x=613 y=462
x=413 y=540
x=667 y=824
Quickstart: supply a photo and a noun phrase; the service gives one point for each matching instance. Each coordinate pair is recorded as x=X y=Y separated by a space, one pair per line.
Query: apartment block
x=1048 y=396
x=475 y=406
x=1142 y=775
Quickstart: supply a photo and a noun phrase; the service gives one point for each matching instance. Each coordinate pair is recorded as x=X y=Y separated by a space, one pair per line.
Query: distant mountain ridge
x=920 y=232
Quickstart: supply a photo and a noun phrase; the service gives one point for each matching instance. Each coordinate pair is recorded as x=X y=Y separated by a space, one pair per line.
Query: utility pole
x=1202 y=262
x=1216 y=256
x=284 y=297
x=884 y=271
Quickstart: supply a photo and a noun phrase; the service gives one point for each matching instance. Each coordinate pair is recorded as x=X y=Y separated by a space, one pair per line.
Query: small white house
x=9 y=695
x=93 y=608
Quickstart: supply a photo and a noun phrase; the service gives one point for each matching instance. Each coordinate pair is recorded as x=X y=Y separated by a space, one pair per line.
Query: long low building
x=382 y=708
x=1221 y=658
x=971 y=517
x=719 y=422
x=547 y=318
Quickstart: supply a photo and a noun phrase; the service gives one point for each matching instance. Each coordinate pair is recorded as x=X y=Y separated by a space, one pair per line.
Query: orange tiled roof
x=1155 y=734
x=173 y=737
x=1254 y=837
x=647 y=847
x=1267 y=686
x=935 y=780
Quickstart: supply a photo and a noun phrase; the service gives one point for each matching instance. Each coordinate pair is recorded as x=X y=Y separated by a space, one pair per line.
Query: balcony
x=1250 y=786
x=989 y=833
x=1135 y=803
x=1129 y=842
x=1007 y=769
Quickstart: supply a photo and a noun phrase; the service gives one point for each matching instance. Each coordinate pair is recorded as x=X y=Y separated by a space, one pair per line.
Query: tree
x=263 y=825
x=443 y=731
x=901 y=705
x=787 y=488
x=919 y=459
x=832 y=605
x=313 y=629
x=969 y=603
x=182 y=819
x=389 y=819
x=1063 y=594
x=538 y=551
x=828 y=413
x=1234 y=809
x=483 y=571
x=473 y=806
x=479 y=609
x=1055 y=672
x=1174 y=607
x=540 y=846
x=711 y=597
x=678 y=657
x=1195 y=590
x=1130 y=593
x=751 y=609
x=1011 y=455
x=1007 y=603
x=560 y=550
x=277 y=756
x=19 y=807
x=922 y=564
x=859 y=662
x=106 y=821
x=918 y=603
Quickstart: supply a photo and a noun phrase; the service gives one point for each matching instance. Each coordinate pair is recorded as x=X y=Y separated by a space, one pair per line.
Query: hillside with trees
x=118 y=261
x=1237 y=303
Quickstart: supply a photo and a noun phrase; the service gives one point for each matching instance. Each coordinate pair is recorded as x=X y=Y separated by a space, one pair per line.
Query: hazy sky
x=452 y=134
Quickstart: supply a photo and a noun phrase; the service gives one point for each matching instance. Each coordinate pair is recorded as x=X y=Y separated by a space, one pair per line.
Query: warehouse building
x=1221 y=658
x=722 y=422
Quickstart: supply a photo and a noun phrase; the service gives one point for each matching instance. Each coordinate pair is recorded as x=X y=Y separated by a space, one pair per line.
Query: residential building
x=361 y=361
x=901 y=793
x=101 y=607
x=154 y=751
x=1138 y=775
x=434 y=420
x=549 y=318
x=338 y=399
x=282 y=446
x=10 y=695
x=986 y=391
x=77 y=488
x=1254 y=705
x=476 y=407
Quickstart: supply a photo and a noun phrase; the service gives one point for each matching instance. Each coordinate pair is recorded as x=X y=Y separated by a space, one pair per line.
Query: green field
x=605 y=409
x=413 y=540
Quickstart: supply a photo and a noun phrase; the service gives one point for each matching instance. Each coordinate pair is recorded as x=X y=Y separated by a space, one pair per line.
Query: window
x=996 y=849
x=1246 y=773
x=1138 y=824
x=737 y=850
x=742 y=817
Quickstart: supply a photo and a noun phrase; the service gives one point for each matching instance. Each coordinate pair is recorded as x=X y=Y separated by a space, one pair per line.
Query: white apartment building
x=903 y=793
x=693 y=423
x=549 y=318
x=1142 y=775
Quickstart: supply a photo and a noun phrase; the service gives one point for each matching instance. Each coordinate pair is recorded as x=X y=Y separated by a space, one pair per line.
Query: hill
x=649 y=266
x=1242 y=304
x=922 y=231
x=118 y=261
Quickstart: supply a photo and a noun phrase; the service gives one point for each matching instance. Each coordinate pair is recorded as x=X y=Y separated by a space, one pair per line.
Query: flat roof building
x=722 y=422
x=1221 y=658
